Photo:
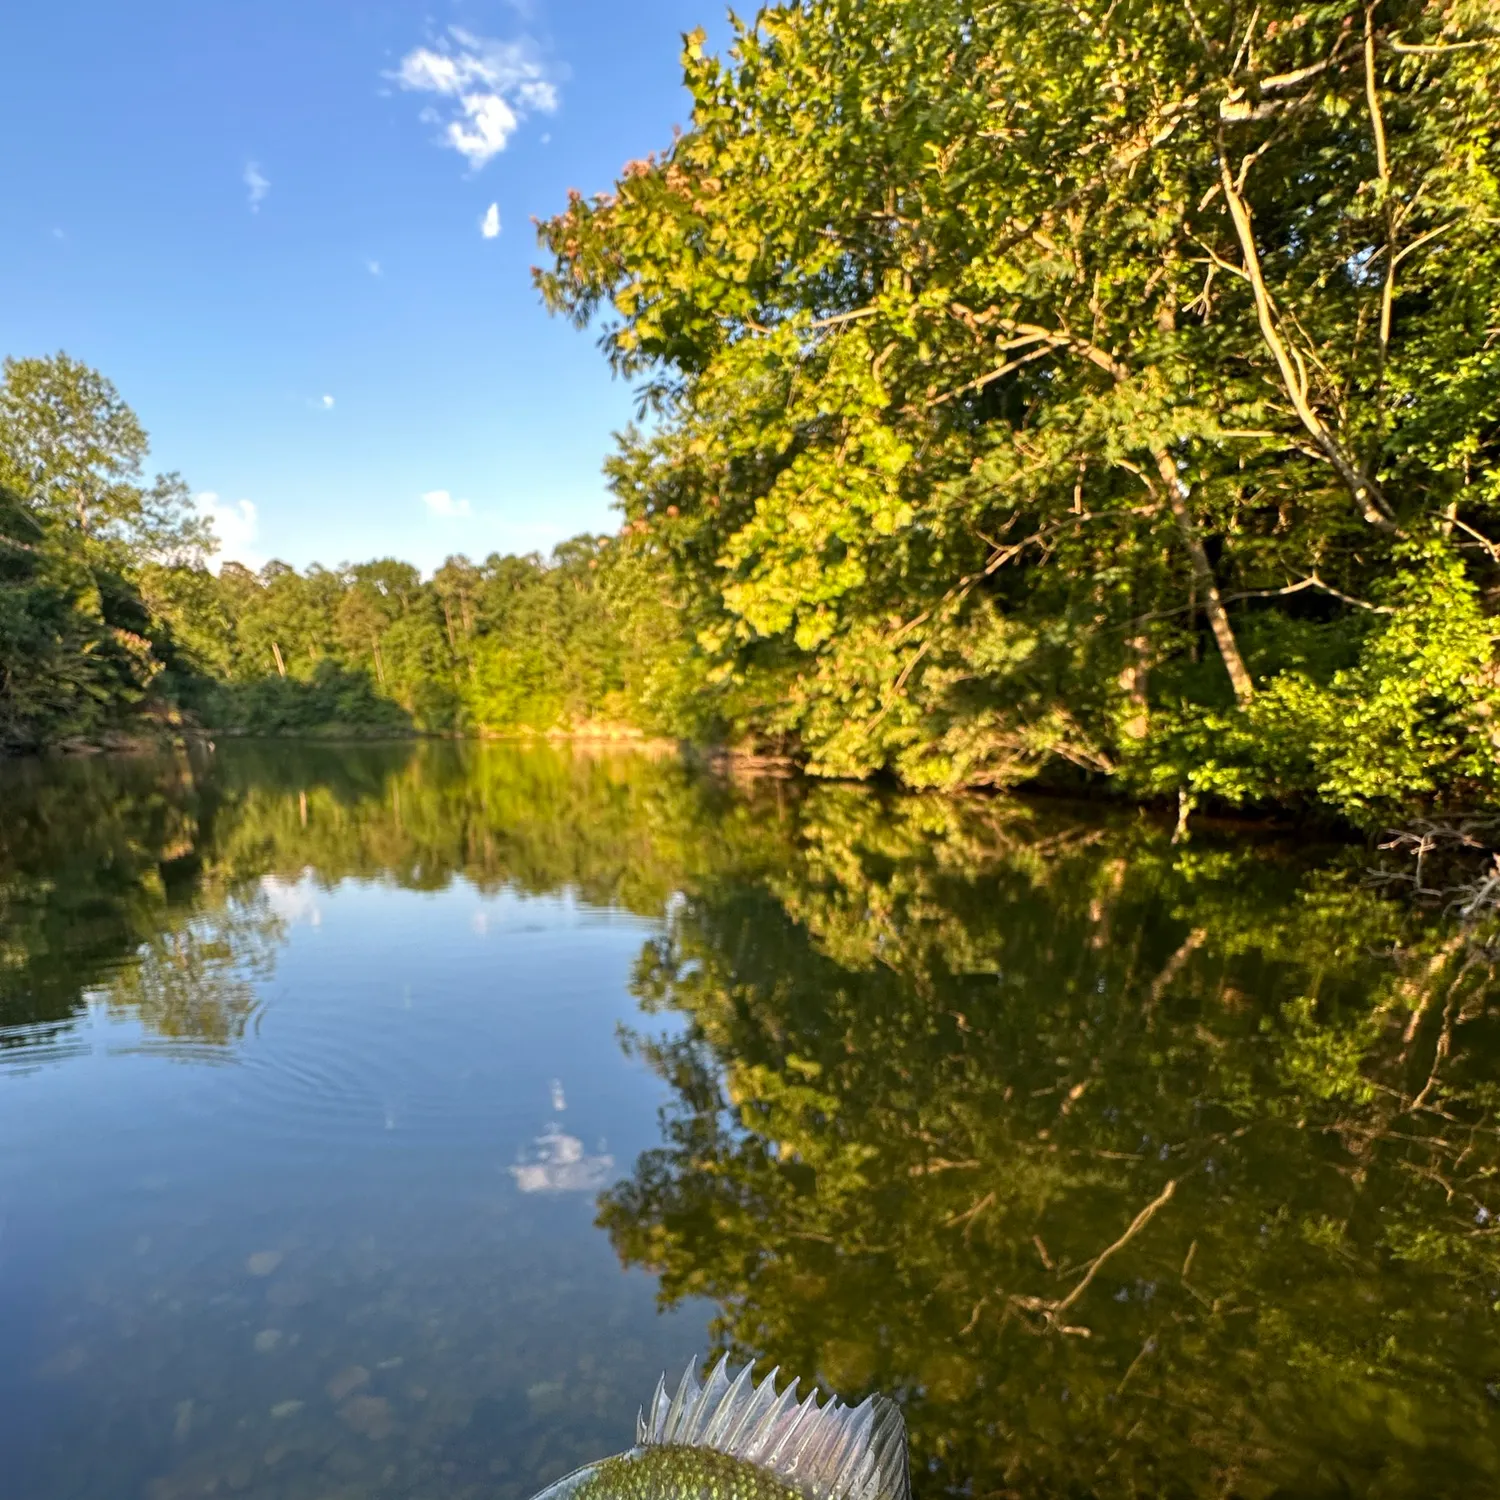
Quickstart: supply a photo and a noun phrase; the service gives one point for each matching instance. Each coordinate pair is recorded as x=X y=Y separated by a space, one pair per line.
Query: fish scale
x=674 y=1472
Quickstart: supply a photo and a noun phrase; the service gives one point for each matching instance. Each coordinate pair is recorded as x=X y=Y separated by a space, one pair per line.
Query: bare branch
x=1383 y=176
x=1484 y=541
x=1422 y=239
x=1053 y=1309
x=1367 y=497
x=996 y=374
x=1415 y=49
x=844 y=317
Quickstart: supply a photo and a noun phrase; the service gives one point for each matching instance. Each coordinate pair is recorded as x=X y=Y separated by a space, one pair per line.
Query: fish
x=726 y=1438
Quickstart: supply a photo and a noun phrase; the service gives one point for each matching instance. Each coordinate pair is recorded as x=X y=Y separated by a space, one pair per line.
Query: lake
x=380 y=1122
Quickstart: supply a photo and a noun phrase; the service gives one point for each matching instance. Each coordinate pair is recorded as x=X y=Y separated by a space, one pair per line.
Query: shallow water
x=380 y=1122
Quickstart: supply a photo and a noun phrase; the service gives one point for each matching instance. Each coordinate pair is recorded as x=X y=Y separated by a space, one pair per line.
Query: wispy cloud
x=441 y=503
x=236 y=526
x=489 y=225
x=326 y=402
x=258 y=184
x=373 y=267
x=489 y=87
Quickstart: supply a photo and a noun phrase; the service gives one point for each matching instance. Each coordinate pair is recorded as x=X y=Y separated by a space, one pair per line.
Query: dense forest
x=1125 y=413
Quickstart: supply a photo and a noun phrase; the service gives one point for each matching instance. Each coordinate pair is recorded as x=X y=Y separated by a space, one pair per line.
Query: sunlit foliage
x=1101 y=385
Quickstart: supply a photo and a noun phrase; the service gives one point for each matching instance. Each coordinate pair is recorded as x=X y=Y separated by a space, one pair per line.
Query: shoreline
x=1313 y=823
x=719 y=760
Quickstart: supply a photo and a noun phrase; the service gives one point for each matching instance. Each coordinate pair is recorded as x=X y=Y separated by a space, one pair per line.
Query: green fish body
x=679 y=1473
x=726 y=1438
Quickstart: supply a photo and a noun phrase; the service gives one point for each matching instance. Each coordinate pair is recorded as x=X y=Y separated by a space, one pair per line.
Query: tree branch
x=1383 y=176
x=1177 y=496
x=1053 y=1309
x=1415 y=49
x=1370 y=502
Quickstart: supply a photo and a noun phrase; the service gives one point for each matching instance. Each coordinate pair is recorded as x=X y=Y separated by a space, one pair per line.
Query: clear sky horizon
x=297 y=237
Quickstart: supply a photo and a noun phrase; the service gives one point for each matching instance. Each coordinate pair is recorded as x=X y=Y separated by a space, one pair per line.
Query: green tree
x=81 y=650
x=1102 y=411
x=72 y=447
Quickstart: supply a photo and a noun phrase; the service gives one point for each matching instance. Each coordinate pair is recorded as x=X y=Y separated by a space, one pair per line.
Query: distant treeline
x=508 y=645
x=111 y=618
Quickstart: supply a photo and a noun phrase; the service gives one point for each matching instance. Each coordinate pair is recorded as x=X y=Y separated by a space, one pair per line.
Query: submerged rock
x=370 y=1416
x=347 y=1381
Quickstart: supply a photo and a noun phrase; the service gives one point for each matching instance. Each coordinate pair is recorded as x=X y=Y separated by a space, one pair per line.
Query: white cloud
x=373 y=267
x=489 y=225
x=236 y=525
x=492 y=122
x=490 y=88
x=326 y=402
x=258 y=184
x=539 y=95
x=441 y=503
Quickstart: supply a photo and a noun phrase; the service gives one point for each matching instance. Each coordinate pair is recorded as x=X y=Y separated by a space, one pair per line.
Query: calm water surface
x=380 y=1122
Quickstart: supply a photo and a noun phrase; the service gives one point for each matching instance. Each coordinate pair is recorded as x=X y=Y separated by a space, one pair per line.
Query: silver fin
x=829 y=1452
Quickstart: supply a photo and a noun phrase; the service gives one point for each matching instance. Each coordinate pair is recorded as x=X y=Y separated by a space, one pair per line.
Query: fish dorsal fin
x=828 y=1452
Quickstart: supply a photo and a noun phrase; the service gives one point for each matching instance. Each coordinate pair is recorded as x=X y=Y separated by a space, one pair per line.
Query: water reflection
x=1139 y=1173
x=308 y=1273
x=1134 y=1169
x=559 y=1164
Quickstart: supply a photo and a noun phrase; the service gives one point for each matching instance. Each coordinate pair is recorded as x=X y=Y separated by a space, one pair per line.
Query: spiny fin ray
x=828 y=1452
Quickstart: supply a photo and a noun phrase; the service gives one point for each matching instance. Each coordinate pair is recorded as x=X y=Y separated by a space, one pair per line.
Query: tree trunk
x=1133 y=678
x=1367 y=497
x=1177 y=496
x=1213 y=604
x=276 y=652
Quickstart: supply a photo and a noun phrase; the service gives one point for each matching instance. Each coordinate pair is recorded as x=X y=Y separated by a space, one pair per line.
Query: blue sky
x=265 y=222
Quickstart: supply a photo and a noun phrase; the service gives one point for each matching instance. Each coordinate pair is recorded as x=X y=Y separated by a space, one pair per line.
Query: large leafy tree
x=1091 y=381
x=72 y=447
x=80 y=647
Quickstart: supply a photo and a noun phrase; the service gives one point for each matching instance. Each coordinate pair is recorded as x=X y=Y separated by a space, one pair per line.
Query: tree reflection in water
x=1134 y=1169
x=1138 y=1171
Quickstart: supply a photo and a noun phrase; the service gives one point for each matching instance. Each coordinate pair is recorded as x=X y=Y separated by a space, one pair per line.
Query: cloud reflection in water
x=561 y=1165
